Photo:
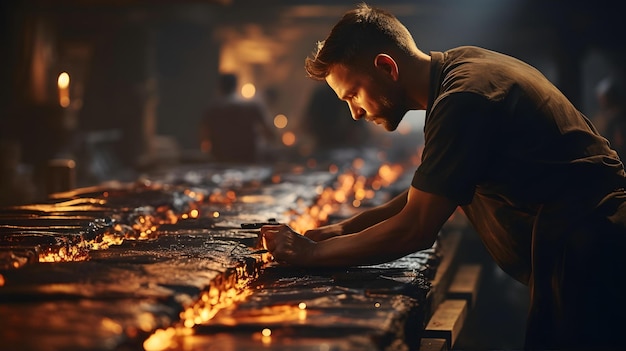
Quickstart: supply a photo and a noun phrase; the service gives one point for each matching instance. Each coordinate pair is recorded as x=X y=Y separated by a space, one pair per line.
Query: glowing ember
x=141 y=224
x=218 y=196
x=114 y=327
x=79 y=252
x=160 y=340
x=350 y=188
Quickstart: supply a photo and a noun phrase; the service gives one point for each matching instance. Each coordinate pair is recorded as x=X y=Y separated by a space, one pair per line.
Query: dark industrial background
x=142 y=71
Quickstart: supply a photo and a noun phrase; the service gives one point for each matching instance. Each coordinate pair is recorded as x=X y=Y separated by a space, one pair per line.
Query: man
x=232 y=128
x=541 y=187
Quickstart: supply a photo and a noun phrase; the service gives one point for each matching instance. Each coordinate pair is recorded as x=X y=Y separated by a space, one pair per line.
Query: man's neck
x=416 y=80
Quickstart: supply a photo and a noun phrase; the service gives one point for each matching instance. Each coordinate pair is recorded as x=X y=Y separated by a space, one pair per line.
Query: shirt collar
x=436 y=63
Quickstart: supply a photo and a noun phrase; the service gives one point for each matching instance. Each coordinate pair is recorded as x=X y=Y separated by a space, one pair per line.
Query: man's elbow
x=418 y=239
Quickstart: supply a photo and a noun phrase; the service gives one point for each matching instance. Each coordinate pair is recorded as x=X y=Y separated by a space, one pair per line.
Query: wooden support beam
x=433 y=344
x=465 y=283
x=447 y=321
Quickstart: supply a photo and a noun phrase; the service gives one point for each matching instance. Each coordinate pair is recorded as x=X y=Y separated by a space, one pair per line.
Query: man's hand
x=286 y=245
x=325 y=232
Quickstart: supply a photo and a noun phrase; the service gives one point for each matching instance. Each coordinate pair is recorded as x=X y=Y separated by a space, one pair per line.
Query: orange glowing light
x=280 y=121
x=218 y=197
x=376 y=185
x=302 y=305
x=65 y=254
x=248 y=90
x=63 y=83
x=349 y=188
x=160 y=340
x=340 y=197
x=231 y=195
x=146 y=322
x=358 y=163
x=359 y=194
x=216 y=214
x=1 y=280
x=289 y=138
x=266 y=332
x=111 y=325
x=64 y=80
x=194 y=213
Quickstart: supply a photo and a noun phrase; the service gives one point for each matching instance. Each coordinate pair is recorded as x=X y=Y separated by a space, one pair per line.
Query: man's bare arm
x=413 y=228
x=376 y=215
x=361 y=220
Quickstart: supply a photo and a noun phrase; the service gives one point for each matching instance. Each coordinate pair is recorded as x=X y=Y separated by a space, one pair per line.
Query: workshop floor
x=497 y=322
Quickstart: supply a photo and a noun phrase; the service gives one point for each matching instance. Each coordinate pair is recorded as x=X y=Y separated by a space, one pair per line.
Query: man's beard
x=392 y=111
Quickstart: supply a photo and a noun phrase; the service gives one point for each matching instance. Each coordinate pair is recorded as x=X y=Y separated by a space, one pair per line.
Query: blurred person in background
x=544 y=191
x=16 y=185
x=233 y=129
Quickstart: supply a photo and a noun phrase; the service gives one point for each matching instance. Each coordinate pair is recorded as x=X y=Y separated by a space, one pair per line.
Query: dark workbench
x=164 y=264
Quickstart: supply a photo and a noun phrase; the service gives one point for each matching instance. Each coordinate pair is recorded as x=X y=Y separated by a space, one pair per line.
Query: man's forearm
x=375 y=215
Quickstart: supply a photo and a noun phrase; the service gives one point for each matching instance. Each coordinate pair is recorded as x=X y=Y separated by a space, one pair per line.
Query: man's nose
x=357 y=112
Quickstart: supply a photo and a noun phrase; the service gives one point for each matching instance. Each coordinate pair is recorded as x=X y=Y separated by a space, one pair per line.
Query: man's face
x=375 y=97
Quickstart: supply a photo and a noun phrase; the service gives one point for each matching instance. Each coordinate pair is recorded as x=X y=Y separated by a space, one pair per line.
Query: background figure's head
x=227 y=83
x=357 y=38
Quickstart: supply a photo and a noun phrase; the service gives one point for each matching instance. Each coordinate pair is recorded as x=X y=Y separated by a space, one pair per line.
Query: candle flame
x=63 y=81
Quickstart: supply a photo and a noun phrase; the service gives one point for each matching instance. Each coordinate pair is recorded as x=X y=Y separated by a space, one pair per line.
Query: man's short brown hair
x=361 y=34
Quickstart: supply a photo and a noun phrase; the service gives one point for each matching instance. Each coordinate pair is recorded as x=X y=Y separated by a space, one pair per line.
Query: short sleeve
x=458 y=135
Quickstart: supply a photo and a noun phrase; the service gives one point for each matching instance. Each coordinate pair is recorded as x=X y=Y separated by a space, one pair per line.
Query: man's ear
x=387 y=64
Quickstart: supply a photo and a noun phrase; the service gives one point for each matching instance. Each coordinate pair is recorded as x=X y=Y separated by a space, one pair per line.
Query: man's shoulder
x=470 y=51
x=472 y=69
